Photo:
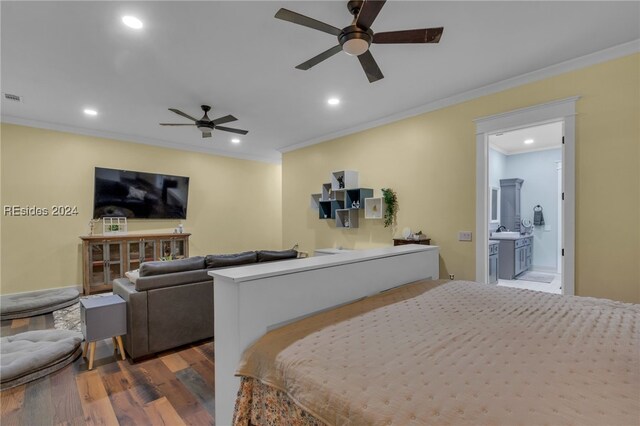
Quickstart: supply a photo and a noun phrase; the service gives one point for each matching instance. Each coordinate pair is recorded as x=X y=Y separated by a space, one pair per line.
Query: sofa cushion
x=270 y=255
x=171 y=280
x=225 y=260
x=148 y=269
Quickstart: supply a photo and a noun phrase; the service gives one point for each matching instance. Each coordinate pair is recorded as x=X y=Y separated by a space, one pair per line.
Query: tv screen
x=139 y=195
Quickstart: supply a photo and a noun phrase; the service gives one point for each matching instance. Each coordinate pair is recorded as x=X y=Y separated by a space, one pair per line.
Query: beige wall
x=234 y=204
x=430 y=161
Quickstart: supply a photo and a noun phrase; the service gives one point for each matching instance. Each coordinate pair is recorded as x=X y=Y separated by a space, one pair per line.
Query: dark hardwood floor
x=173 y=388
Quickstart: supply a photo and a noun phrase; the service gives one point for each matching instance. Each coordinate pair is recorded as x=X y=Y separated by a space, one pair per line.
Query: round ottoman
x=21 y=305
x=34 y=354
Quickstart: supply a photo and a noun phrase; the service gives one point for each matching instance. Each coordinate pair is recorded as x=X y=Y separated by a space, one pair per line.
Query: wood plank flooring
x=173 y=388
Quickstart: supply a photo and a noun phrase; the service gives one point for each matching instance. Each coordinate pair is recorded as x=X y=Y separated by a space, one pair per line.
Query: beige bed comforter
x=459 y=353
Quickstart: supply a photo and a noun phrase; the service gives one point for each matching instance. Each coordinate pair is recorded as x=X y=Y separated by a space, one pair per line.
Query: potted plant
x=391 y=206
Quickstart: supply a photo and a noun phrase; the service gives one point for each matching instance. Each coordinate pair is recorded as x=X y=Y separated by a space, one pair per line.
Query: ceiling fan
x=205 y=124
x=356 y=38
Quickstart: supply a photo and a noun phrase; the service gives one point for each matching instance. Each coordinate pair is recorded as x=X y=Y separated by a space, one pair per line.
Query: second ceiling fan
x=205 y=124
x=356 y=38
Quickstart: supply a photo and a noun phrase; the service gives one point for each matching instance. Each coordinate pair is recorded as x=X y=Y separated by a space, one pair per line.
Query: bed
x=448 y=352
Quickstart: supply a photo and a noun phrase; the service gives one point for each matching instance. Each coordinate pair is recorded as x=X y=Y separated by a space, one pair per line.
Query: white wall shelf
x=314 y=201
x=326 y=192
x=344 y=179
x=347 y=218
x=374 y=208
x=341 y=200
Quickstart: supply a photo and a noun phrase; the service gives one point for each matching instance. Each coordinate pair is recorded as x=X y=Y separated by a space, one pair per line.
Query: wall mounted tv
x=139 y=195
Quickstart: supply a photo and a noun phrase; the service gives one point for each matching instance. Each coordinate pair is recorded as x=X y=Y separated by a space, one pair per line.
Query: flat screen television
x=139 y=195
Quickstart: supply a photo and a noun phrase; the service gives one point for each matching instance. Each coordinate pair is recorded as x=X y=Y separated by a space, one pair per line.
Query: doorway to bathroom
x=525 y=187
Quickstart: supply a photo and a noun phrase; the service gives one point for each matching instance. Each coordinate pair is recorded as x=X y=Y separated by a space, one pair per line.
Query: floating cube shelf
x=374 y=208
x=342 y=200
x=315 y=199
x=347 y=218
x=326 y=192
x=327 y=209
x=355 y=197
x=349 y=179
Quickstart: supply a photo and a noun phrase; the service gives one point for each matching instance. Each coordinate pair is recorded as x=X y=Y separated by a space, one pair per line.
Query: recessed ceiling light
x=89 y=111
x=235 y=140
x=528 y=141
x=333 y=101
x=132 y=22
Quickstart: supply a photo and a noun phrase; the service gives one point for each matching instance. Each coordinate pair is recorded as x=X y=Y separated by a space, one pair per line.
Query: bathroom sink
x=504 y=236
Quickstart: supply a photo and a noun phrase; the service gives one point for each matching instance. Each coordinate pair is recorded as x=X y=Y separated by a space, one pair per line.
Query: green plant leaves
x=391 y=206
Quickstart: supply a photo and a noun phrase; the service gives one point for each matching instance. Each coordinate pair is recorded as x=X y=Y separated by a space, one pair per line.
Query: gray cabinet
x=510 y=203
x=516 y=257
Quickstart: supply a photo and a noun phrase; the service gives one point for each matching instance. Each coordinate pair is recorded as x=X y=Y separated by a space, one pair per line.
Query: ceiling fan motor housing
x=204 y=126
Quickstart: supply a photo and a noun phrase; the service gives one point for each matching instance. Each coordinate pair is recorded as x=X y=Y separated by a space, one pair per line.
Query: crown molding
x=604 y=55
x=275 y=159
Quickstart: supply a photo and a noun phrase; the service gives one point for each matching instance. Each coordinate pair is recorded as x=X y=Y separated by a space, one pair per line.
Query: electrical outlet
x=452 y=276
x=464 y=236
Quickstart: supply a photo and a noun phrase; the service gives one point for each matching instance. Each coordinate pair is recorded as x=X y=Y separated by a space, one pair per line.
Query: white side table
x=101 y=318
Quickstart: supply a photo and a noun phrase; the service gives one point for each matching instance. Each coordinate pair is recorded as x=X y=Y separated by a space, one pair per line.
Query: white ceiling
x=65 y=56
x=545 y=136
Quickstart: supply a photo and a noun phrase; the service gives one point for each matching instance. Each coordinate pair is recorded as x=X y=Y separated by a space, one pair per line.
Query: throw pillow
x=270 y=255
x=133 y=275
x=236 y=259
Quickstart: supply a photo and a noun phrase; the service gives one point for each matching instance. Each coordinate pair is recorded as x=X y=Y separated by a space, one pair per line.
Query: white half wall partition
x=251 y=300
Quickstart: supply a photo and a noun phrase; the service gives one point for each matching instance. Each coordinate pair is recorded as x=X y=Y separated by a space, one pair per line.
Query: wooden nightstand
x=403 y=241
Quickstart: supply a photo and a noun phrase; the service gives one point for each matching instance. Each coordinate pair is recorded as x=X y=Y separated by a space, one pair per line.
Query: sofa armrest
x=136 y=341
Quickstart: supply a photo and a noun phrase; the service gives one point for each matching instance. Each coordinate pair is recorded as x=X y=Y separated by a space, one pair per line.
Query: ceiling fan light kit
x=356 y=38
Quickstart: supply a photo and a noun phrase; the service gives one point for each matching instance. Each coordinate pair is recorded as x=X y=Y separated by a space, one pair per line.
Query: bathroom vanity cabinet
x=516 y=257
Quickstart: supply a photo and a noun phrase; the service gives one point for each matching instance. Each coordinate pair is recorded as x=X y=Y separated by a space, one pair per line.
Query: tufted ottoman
x=21 y=305
x=28 y=356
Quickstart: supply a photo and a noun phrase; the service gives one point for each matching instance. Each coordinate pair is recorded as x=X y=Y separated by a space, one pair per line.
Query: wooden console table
x=403 y=241
x=107 y=257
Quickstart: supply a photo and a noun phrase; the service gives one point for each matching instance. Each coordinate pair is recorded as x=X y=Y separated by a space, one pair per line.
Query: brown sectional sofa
x=171 y=303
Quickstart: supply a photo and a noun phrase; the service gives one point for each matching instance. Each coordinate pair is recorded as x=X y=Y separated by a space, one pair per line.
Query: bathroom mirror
x=494 y=204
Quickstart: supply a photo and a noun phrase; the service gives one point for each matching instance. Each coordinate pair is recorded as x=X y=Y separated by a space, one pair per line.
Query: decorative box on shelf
x=114 y=225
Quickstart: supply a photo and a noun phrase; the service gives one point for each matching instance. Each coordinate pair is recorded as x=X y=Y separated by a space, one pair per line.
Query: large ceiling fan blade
x=229 y=129
x=424 y=35
x=319 y=58
x=296 y=18
x=177 y=111
x=225 y=119
x=206 y=134
x=368 y=13
x=176 y=124
x=370 y=67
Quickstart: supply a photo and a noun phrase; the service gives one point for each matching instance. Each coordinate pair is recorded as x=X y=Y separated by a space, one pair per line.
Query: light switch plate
x=465 y=236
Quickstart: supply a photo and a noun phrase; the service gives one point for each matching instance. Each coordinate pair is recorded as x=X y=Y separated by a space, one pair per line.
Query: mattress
x=458 y=353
